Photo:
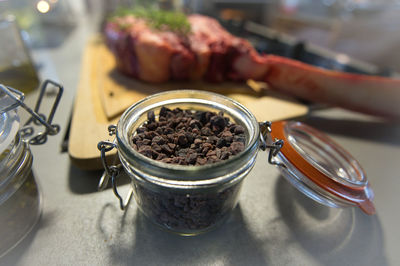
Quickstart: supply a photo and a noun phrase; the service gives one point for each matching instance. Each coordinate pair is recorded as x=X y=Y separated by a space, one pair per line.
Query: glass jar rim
x=217 y=172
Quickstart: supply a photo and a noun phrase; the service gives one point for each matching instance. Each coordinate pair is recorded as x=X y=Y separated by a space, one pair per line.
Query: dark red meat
x=209 y=52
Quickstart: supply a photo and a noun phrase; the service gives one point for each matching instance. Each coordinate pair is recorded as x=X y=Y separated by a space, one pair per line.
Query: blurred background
x=364 y=30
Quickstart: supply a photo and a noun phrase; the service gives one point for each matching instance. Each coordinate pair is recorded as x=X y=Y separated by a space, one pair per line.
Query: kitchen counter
x=274 y=224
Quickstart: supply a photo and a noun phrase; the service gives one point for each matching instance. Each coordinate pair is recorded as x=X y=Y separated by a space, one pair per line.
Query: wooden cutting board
x=103 y=94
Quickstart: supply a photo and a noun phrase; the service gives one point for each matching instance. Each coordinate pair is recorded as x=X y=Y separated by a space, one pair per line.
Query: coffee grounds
x=188 y=137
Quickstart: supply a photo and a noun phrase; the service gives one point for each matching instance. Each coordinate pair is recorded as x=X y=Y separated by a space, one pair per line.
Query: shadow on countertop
x=331 y=236
x=231 y=244
x=83 y=181
x=86 y=181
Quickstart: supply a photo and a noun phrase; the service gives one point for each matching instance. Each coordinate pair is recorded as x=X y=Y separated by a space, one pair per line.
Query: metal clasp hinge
x=111 y=171
x=36 y=117
x=273 y=146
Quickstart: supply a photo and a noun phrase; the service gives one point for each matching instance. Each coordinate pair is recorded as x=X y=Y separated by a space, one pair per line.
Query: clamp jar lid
x=320 y=168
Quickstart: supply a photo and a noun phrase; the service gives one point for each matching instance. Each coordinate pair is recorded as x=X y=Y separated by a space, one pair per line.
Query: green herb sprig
x=158 y=19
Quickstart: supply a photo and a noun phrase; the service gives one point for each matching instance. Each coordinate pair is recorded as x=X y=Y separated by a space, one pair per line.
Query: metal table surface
x=274 y=224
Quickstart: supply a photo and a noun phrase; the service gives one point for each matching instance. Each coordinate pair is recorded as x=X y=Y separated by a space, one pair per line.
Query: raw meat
x=212 y=54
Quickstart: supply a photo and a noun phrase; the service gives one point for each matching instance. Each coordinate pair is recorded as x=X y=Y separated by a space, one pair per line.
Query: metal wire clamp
x=111 y=171
x=36 y=117
x=266 y=143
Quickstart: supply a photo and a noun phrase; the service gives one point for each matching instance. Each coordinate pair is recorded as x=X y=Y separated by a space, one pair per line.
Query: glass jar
x=20 y=200
x=186 y=200
x=16 y=67
x=20 y=197
x=190 y=200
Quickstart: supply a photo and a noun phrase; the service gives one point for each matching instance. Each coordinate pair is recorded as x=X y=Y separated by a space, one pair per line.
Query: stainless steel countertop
x=274 y=224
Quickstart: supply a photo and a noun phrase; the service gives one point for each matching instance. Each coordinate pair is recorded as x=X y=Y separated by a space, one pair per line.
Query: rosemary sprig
x=158 y=19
